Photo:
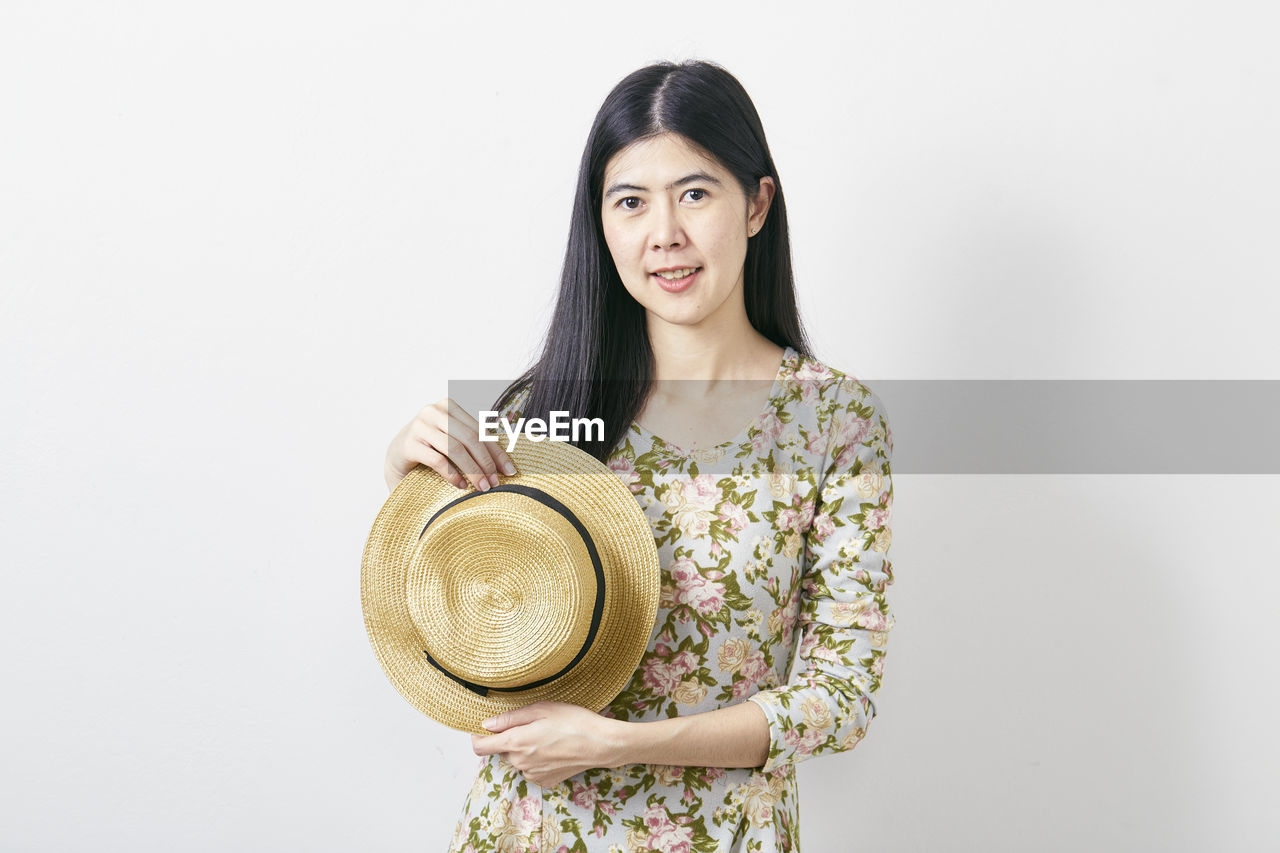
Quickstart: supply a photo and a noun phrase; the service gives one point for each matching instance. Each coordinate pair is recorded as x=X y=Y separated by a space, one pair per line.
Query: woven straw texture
x=501 y=589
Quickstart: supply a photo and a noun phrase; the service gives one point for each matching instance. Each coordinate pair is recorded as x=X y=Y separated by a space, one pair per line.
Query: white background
x=242 y=243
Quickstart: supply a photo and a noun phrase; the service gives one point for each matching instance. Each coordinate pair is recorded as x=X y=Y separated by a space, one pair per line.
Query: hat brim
x=628 y=555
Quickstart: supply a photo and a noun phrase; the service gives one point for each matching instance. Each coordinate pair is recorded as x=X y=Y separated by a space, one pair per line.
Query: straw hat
x=544 y=587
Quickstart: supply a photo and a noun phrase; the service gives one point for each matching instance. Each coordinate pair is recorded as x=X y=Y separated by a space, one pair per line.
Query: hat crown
x=408 y=620
x=502 y=588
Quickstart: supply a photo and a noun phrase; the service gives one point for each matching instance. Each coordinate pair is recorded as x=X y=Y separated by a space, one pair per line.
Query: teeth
x=677 y=274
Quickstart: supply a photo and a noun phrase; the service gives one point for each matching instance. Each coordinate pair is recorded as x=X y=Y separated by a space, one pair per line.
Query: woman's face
x=667 y=209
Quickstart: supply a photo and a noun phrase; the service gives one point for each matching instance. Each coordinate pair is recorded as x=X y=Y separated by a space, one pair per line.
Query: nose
x=665 y=228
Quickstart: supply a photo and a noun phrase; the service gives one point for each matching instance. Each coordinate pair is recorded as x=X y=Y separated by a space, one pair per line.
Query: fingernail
x=488 y=724
x=508 y=469
x=495 y=481
x=483 y=484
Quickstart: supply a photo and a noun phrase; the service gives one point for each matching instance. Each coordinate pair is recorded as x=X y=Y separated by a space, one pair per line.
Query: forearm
x=736 y=736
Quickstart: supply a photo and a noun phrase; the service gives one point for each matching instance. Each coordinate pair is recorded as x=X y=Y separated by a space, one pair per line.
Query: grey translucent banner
x=1057 y=426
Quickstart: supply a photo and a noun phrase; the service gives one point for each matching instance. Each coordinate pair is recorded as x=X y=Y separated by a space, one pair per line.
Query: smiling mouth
x=677 y=281
x=676 y=275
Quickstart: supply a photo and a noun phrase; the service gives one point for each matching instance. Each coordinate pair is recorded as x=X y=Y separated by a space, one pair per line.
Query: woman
x=773 y=537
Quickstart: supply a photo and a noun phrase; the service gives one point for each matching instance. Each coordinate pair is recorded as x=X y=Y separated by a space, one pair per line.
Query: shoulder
x=847 y=409
x=829 y=383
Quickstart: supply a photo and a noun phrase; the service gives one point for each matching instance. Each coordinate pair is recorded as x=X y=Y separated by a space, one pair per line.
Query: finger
x=514 y=717
x=502 y=459
x=427 y=443
x=463 y=469
x=489 y=745
x=466 y=451
x=427 y=455
x=450 y=430
x=491 y=457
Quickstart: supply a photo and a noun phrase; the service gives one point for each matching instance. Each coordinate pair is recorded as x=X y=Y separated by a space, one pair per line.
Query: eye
x=701 y=194
x=623 y=203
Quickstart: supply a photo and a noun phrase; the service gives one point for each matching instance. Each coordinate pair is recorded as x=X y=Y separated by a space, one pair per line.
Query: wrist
x=622 y=742
x=648 y=742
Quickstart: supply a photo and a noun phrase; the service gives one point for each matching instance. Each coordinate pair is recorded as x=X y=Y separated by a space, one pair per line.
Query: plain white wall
x=242 y=243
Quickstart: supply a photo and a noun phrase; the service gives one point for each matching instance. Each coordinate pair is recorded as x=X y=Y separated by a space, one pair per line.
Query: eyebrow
x=696 y=177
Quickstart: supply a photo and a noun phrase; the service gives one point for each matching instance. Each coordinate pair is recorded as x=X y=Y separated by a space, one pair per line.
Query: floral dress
x=774 y=552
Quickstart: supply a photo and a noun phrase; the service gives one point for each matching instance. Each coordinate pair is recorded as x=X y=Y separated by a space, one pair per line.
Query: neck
x=720 y=347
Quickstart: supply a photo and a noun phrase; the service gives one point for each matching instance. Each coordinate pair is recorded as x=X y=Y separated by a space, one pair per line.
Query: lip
x=678 y=285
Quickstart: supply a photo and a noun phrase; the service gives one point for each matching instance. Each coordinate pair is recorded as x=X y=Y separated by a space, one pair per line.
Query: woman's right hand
x=445 y=438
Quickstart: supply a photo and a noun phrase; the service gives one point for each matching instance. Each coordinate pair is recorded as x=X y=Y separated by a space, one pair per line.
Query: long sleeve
x=826 y=706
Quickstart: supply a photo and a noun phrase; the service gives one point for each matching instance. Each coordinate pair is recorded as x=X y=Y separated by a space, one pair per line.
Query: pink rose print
x=526 y=815
x=687 y=661
x=872 y=620
x=807 y=642
x=626 y=472
x=692 y=504
x=811 y=375
x=876 y=518
x=823 y=526
x=814 y=370
x=734 y=516
x=664 y=835
x=796 y=517
x=804 y=744
x=805 y=521
x=585 y=795
x=663 y=677
x=810 y=393
x=703 y=492
x=752 y=670
x=849 y=434
x=770 y=429
x=692 y=588
x=817 y=443
x=754 y=667
x=787 y=518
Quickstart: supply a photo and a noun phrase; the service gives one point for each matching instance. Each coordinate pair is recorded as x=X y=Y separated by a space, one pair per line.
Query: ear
x=758 y=206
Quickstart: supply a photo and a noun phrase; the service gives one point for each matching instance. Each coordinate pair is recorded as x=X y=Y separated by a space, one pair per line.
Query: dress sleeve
x=844 y=616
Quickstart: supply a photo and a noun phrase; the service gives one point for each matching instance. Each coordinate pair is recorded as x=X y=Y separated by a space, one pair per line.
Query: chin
x=681 y=318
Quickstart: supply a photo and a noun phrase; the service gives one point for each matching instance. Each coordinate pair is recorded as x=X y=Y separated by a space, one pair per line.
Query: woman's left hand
x=551 y=741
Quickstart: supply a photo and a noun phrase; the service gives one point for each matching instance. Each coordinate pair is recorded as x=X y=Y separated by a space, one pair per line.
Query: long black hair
x=597 y=361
